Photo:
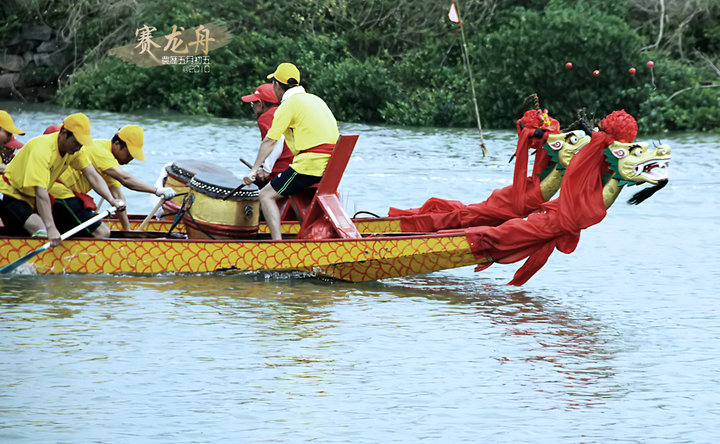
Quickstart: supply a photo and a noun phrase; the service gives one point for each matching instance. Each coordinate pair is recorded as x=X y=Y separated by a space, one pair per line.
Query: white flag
x=453 y=14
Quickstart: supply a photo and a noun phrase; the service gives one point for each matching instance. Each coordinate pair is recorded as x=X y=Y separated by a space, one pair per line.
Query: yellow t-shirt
x=306 y=121
x=38 y=164
x=73 y=181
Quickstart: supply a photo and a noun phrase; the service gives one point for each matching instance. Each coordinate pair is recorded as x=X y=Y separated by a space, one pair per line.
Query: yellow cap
x=132 y=135
x=6 y=123
x=79 y=125
x=285 y=73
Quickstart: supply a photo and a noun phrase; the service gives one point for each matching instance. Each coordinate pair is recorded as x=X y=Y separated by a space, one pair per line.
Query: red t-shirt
x=265 y=122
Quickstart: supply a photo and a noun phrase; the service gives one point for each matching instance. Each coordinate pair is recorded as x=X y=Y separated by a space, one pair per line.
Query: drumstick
x=247 y=164
x=242 y=184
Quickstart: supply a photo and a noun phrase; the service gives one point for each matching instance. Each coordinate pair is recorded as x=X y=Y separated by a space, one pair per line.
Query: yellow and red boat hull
x=353 y=260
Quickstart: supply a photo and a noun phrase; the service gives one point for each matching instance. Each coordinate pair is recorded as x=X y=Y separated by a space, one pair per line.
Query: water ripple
x=614 y=343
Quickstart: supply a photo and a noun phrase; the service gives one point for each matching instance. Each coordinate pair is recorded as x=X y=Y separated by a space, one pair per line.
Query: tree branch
x=676 y=93
x=656 y=45
x=712 y=65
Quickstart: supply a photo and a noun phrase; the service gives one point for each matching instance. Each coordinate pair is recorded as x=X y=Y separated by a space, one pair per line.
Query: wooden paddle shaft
x=88 y=222
x=150 y=215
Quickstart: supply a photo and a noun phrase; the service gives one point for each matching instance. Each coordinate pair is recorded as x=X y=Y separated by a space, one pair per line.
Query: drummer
x=310 y=130
x=25 y=207
x=72 y=203
x=264 y=104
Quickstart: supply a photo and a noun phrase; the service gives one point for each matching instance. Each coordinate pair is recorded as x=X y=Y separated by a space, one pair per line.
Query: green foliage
x=355 y=89
x=39 y=75
x=527 y=54
x=680 y=100
x=400 y=61
x=688 y=25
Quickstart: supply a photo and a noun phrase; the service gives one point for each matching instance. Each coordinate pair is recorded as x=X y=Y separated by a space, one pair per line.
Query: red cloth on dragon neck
x=579 y=206
x=440 y=214
x=517 y=200
x=526 y=141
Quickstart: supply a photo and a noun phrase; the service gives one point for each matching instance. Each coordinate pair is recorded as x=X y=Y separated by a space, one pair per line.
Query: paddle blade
x=12 y=266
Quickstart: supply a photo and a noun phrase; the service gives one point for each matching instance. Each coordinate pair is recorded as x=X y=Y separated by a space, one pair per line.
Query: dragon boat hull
x=353 y=260
x=329 y=243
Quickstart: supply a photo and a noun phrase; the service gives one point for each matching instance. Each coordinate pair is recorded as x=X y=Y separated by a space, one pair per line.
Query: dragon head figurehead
x=533 y=129
x=559 y=150
x=562 y=147
x=636 y=163
x=541 y=122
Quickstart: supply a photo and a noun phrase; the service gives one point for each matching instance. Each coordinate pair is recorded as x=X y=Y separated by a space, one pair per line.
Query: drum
x=237 y=217
x=179 y=174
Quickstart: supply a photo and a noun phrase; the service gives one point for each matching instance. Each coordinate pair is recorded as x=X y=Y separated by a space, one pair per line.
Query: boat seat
x=325 y=216
x=296 y=206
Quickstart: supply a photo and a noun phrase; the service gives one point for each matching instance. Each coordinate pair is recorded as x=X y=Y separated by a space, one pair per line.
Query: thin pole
x=472 y=82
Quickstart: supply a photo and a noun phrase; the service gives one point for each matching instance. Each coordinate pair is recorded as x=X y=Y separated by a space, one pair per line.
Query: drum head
x=186 y=169
x=218 y=186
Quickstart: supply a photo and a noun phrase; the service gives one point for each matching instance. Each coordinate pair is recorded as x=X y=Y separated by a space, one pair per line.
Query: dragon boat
x=218 y=227
x=557 y=151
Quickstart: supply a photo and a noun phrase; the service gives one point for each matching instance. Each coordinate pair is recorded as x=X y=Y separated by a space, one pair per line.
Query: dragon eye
x=573 y=140
x=637 y=151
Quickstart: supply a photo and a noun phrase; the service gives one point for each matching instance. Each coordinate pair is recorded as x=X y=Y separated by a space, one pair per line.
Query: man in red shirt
x=264 y=103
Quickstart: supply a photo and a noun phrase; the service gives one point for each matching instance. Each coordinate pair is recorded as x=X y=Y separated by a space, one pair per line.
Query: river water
x=616 y=342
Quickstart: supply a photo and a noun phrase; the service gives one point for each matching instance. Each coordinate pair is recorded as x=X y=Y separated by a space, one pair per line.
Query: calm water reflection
x=616 y=342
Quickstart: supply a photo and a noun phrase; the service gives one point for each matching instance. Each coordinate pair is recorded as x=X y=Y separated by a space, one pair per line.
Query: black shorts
x=14 y=213
x=69 y=213
x=290 y=181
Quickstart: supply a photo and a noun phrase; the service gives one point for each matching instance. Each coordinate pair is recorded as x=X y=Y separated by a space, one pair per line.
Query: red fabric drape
x=517 y=200
x=527 y=127
x=579 y=206
x=440 y=214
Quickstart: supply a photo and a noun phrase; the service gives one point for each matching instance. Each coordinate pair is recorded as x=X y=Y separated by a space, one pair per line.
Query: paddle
x=12 y=266
x=150 y=215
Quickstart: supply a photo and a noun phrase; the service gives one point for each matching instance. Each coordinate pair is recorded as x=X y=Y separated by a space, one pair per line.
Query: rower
x=310 y=130
x=8 y=143
x=7 y=152
x=72 y=203
x=25 y=207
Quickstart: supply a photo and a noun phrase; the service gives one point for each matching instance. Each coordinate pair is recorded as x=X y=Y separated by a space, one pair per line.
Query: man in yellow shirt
x=7 y=129
x=73 y=205
x=310 y=131
x=25 y=207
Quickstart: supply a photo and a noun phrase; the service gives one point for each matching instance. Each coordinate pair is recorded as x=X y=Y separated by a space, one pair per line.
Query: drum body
x=235 y=218
x=179 y=174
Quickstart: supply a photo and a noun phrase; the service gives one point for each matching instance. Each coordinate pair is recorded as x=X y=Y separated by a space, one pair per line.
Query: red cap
x=263 y=92
x=52 y=129
x=14 y=144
